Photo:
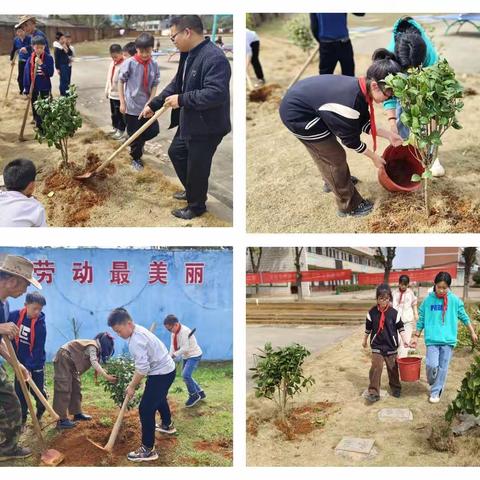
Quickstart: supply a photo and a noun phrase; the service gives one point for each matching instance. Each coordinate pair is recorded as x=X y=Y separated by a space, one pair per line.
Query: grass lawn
x=204 y=433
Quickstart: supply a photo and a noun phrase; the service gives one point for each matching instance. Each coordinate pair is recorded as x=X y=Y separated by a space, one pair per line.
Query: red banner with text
x=418 y=275
x=290 y=277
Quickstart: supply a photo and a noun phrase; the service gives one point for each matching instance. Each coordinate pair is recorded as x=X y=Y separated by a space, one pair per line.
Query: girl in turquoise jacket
x=438 y=316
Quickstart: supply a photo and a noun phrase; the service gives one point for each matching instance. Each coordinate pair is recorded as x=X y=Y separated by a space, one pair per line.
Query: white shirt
x=18 y=210
x=187 y=347
x=149 y=353
x=251 y=37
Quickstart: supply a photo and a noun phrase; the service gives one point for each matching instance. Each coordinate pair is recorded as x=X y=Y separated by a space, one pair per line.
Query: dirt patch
x=80 y=452
x=262 y=94
x=252 y=426
x=441 y=438
x=221 y=446
x=450 y=212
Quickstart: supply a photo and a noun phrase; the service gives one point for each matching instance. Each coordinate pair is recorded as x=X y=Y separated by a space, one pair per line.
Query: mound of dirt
x=262 y=94
x=221 y=446
x=441 y=438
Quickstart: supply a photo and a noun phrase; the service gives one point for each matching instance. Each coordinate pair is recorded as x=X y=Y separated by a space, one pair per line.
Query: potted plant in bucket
x=430 y=98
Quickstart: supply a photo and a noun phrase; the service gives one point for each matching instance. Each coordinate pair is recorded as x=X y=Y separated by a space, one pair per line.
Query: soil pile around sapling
x=263 y=94
x=441 y=438
x=221 y=446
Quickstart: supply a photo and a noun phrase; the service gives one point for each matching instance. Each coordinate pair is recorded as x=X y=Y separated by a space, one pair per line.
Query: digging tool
x=21 y=138
x=304 y=67
x=115 y=430
x=123 y=146
x=49 y=457
x=42 y=398
x=153 y=327
x=10 y=77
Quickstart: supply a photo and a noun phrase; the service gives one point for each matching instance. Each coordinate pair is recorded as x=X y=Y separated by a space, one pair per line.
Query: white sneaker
x=113 y=131
x=434 y=399
x=437 y=169
x=117 y=135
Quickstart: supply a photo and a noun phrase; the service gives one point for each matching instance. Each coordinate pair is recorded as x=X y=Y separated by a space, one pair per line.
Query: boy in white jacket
x=111 y=92
x=184 y=344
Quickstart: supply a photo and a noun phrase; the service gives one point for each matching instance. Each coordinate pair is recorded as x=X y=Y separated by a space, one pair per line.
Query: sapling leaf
x=427 y=174
x=416 y=177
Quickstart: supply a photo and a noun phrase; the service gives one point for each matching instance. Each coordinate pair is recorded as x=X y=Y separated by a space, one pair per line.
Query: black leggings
x=257 y=67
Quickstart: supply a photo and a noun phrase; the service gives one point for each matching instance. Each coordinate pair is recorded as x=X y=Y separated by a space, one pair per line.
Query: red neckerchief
x=113 y=69
x=373 y=126
x=145 y=64
x=32 y=65
x=175 y=342
x=444 y=297
x=21 y=318
x=382 y=318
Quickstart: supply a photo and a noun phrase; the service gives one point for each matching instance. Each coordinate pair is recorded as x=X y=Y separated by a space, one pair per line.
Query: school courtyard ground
x=204 y=433
x=334 y=407
x=123 y=198
x=284 y=188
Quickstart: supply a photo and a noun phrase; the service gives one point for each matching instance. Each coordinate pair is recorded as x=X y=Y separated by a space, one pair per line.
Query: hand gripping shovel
x=49 y=457
x=115 y=430
x=21 y=138
x=123 y=146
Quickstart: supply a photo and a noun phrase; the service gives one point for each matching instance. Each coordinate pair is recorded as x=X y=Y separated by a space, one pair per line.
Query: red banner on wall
x=418 y=275
x=291 y=277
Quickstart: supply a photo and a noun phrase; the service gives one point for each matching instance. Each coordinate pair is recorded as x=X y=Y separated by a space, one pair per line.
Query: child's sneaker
x=117 y=135
x=143 y=454
x=170 y=429
x=202 y=395
x=113 y=131
x=192 y=400
x=137 y=165
x=434 y=399
x=65 y=424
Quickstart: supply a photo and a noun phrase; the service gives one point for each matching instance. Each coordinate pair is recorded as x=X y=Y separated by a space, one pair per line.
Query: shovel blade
x=98 y=445
x=52 y=457
x=85 y=176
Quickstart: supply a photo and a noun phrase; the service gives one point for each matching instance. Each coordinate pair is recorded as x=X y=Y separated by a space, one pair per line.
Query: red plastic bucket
x=401 y=164
x=409 y=368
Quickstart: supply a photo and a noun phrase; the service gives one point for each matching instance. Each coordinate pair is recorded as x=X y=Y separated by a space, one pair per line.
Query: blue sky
x=408 y=257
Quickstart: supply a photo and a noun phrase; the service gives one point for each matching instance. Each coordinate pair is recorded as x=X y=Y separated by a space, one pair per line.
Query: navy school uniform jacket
x=43 y=74
x=31 y=356
x=324 y=105
x=329 y=27
x=203 y=86
x=18 y=44
x=385 y=342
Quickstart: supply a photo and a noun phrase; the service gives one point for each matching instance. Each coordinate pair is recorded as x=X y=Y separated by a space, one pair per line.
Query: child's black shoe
x=82 y=417
x=65 y=424
x=372 y=398
x=202 y=395
x=143 y=454
x=192 y=400
x=365 y=207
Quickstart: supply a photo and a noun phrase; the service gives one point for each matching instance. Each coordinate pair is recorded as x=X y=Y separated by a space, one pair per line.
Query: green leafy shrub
x=123 y=368
x=60 y=121
x=278 y=374
x=468 y=397
x=299 y=33
x=430 y=98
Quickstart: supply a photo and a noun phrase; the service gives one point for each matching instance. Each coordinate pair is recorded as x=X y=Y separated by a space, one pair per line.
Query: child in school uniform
x=438 y=316
x=62 y=54
x=129 y=50
x=152 y=361
x=138 y=81
x=111 y=92
x=29 y=346
x=383 y=326
x=71 y=361
x=184 y=345
x=405 y=303
x=21 y=45
x=18 y=207
x=38 y=69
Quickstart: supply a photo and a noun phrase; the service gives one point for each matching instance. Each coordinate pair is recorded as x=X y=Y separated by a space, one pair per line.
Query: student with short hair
x=129 y=50
x=21 y=44
x=29 y=346
x=184 y=345
x=38 y=69
x=71 y=361
x=111 y=91
x=18 y=207
x=29 y=25
x=138 y=81
x=152 y=361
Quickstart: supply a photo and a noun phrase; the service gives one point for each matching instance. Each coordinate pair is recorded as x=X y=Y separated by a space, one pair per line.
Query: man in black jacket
x=199 y=95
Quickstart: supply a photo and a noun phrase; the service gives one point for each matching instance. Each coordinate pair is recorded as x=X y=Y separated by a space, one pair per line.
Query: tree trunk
x=427 y=198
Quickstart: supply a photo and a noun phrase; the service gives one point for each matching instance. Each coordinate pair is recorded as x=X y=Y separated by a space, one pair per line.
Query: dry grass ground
x=123 y=198
x=284 y=188
x=337 y=409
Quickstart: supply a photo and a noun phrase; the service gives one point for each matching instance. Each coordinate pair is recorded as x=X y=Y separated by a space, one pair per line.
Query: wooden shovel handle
x=11 y=73
x=132 y=138
x=42 y=398
x=23 y=386
x=27 y=108
x=304 y=67
x=116 y=427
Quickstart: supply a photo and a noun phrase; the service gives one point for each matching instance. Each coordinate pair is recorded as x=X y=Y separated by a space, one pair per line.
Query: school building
x=83 y=285
x=282 y=259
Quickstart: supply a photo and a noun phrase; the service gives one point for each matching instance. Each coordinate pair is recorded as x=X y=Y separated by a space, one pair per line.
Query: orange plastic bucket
x=409 y=368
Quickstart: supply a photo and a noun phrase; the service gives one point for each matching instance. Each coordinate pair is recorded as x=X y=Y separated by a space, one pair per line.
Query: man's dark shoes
x=364 y=208
x=15 y=454
x=81 y=417
x=186 y=213
x=65 y=424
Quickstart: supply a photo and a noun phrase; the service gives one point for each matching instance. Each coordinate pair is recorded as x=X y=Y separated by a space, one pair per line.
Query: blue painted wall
x=206 y=307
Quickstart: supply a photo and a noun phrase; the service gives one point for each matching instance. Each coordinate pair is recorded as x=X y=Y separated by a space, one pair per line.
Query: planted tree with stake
x=60 y=121
x=279 y=376
x=430 y=97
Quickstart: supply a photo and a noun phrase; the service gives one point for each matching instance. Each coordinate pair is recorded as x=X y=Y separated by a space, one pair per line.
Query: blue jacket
x=42 y=79
x=32 y=357
x=330 y=26
x=440 y=331
x=18 y=44
x=204 y=93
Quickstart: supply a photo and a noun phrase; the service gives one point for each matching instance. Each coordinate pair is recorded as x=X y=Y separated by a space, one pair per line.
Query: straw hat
x=24 y=19
x=19 y=266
